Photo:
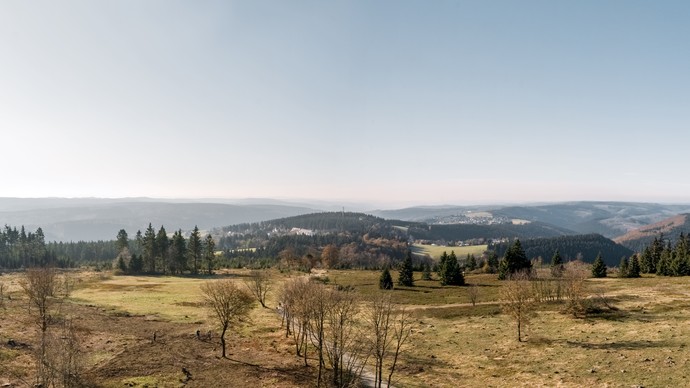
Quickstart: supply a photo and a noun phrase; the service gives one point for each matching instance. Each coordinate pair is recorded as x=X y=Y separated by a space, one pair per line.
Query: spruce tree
x=405 y=277
x=194 y=247
x=442 y=263
x=471 y=262
x=634 y=267
x=515 y=260
x=426 y=273
x=136 y=265
x=557 y=267
x=598 y=267
x=492 y=262
x=623 y=268
x=386 y=280
x=451 y=274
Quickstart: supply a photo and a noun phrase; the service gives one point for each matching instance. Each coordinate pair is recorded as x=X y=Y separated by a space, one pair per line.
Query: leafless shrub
x=473 y=293
x=389 y=328
x=517 y=300
x=574 y=287
x=259 y=283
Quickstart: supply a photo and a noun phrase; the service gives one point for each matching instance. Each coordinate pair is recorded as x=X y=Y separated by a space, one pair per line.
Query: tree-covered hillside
x=586 y=247
x=461 y=232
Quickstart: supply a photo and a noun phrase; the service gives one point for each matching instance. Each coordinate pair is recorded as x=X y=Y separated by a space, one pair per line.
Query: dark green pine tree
x=150 y=249
x=121 y=265
x=442 y=263
x=209 y=254
x=405 y=278
x=451 y=274
x=557 y=266
x=426 y=272
x=163 y=249
x=471 y=262
x=492 y=262
x=178 y=253
x=634 y=267
x=386 y=280
x=122 y=240
x=194 y=247
x=515 y=260
x=623 y=267
x=136 y=265
x=598 y=267
x=503 y=270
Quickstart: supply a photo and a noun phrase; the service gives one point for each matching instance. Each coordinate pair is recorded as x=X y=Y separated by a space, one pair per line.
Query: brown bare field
x=642 y=342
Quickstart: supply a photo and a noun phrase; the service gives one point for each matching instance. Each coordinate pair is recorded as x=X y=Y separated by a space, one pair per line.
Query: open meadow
x=641 y=341
x=435 y=251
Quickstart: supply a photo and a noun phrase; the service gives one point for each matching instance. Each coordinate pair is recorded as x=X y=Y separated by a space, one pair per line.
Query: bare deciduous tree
x=41 y=287
x=344 y=345
x=228 y=303
x=517 y=300
x=473 y=293
x=259 y=283
x=390 y=329
x=64 y=355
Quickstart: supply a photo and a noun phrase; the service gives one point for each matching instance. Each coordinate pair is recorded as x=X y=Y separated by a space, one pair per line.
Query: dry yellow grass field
x=643 y=343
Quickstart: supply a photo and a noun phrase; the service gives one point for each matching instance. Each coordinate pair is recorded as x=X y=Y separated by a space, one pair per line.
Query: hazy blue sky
x=393 y=102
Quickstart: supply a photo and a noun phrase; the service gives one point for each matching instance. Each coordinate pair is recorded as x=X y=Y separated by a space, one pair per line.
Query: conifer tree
x=405 y=278
x=634 y=267
x=557 y=267
x=136 y=265
x=426 y=273
x=471 y=262
x=623 y=268
x=442 y=263
x=598 y=267
x=451 y=274
x=386 y=280
x=194 y=247
x=492 y=262
x=163 y=249
x=515 y=260
x=209 y=253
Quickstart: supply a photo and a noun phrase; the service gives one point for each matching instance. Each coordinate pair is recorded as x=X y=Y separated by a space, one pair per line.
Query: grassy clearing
x=435 y=251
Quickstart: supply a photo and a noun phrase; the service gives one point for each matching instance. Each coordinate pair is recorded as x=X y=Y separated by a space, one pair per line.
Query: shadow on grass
x=618 y=345
x=458 y=311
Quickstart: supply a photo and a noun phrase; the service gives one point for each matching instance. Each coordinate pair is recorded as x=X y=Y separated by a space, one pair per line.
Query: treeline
x=161 y=254
x=463 y=232
x=343 y=250
x=326 y=222
x=662 y=257
x=584 y=247
x=22 y=249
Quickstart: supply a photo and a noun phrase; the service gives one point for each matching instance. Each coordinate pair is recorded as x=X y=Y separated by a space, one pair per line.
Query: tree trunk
x=222 y=338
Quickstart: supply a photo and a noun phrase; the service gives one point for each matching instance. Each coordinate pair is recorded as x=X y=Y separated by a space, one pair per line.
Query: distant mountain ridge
x=74 y=219
x=610 y=219
x=94 y=219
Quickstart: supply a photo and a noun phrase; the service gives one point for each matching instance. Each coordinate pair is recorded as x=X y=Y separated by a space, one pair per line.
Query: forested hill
x=325 y=222
x=456 y=232
x=670 y=228
x=588 y=246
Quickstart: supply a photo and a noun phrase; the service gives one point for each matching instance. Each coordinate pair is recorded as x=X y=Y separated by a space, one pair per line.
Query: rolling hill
x=671 y=228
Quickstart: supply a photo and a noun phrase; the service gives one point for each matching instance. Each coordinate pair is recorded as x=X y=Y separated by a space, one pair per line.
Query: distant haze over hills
x=73 y=219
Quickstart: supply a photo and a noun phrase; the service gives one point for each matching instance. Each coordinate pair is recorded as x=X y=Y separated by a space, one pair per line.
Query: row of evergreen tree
x=22 y=249
x=663 y=258
x=162 y=254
